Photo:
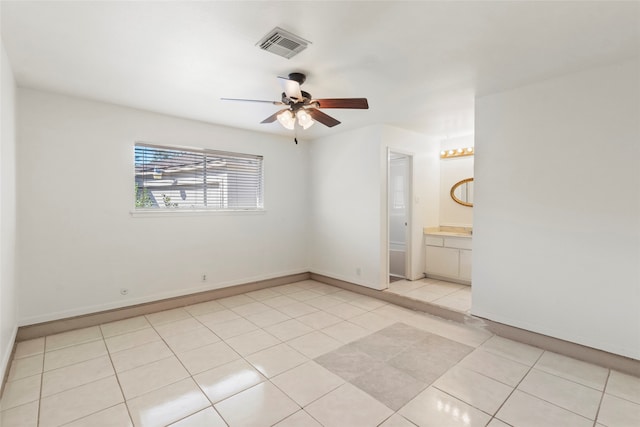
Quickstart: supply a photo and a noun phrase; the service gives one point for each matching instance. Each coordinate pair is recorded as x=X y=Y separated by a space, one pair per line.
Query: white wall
x=8 y=315
x=349 y=205
x=557 y=210
x=78 y=243
x=345 y=209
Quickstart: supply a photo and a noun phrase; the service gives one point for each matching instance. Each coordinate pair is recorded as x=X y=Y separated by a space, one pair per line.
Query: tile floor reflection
x=305 y=354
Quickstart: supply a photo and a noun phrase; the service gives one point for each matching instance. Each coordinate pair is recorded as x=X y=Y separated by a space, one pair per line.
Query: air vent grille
x=282 y=43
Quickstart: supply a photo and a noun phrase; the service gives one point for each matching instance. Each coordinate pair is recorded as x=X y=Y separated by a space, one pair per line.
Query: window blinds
x=179 y=178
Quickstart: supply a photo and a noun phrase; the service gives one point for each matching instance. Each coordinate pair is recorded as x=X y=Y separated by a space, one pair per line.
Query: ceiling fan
x=302 y=106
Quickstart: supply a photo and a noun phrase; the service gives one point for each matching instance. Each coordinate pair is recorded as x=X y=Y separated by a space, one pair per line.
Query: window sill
x=150 y=213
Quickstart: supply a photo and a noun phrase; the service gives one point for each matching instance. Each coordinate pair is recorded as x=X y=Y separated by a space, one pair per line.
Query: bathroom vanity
x=448 y=254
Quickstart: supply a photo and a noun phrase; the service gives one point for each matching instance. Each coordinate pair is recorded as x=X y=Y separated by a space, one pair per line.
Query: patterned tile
x=348 y=362
x=394 y=364
x=390 y=386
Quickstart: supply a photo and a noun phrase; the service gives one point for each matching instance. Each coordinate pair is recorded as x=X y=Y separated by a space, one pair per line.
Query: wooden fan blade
x=291 y=88
x=356 y=103
x=272 y=118
x=323 y=118
x=252 y=100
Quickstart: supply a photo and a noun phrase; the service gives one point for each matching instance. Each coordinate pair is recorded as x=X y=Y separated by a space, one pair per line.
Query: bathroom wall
x=557 y=209
x=451 y=171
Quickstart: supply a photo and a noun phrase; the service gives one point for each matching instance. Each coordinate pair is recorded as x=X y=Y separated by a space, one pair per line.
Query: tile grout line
x=197 y=412
x=538 y=369
x=266 y=378
x=191 y=375
x=316 y=399
x=544 y=400
x=604 y=390
x=573 y=381
x=44 y=354
x=77 y=386
x=556 y=405
x=150 y=391
x=517 y=385
x=115 y=373
x=246 y=361
x=189 y=372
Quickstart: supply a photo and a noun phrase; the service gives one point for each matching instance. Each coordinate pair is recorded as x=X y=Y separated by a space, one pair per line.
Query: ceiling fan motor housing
x=306 y=97
x=297 y=77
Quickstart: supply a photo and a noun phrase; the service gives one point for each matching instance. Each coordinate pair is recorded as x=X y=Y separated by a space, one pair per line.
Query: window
x=179 y=178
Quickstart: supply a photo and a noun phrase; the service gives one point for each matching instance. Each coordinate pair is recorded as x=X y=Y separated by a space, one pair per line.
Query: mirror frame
x=453 y=189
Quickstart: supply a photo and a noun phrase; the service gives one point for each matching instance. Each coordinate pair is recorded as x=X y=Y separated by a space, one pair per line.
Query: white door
x=399 y=204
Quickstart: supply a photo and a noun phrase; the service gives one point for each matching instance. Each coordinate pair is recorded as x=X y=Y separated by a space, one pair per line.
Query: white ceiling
x=420 y=64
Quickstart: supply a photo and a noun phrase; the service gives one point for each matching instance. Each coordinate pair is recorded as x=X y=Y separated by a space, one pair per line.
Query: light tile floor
x=304 y=354
x=446 y=294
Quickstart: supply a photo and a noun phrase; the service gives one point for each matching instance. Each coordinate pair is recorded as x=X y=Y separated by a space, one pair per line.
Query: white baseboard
x=81 y=311
x=346 y=279
x=97 y=317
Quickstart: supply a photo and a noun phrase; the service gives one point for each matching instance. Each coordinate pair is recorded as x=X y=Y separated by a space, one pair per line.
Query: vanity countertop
x=449 y=231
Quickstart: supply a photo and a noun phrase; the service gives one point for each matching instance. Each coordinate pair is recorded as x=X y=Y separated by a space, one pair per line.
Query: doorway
x=399 y=215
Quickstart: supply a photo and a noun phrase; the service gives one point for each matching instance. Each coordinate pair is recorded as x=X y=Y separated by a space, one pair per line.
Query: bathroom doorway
x=399 y=215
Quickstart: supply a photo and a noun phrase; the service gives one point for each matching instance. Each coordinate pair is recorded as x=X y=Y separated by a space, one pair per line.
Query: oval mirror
x=462 y=192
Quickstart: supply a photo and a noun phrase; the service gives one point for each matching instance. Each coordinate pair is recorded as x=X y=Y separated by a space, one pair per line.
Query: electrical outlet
x=124 y=291
x=204 y=277
x=358 y=271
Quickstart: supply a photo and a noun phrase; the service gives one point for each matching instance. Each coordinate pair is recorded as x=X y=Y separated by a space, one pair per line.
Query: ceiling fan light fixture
x=301 y=106
x=286 y=119
x=304 y=119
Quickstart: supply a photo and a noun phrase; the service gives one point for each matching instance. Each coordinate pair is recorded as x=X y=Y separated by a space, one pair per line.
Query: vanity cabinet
x=442 y=261
x=465 y=264
x=448 y=258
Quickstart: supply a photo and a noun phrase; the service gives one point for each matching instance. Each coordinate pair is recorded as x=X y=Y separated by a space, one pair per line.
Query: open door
x=399 y=215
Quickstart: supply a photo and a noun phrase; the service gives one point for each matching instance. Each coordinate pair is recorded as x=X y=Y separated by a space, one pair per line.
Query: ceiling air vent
x=282 y=43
